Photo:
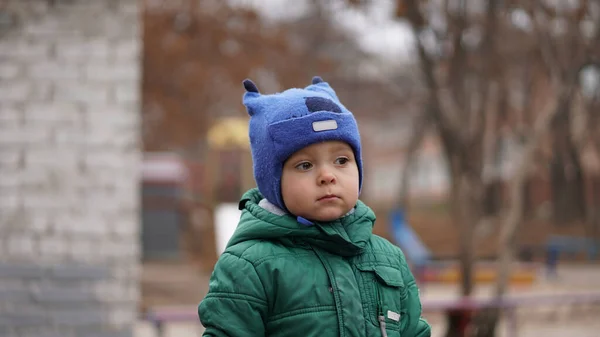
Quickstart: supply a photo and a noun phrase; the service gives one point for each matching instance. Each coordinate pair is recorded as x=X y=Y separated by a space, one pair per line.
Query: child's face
x=320 y=182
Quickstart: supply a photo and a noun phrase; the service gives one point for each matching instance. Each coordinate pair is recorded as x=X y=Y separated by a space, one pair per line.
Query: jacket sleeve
x=418 y=327
x=423 y=329
x=236 y=303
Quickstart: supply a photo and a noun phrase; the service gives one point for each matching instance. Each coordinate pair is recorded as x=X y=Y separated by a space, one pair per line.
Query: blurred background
x=124 y=152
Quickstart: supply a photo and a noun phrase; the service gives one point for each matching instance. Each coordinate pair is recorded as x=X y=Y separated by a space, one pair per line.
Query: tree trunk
x=485 y=323
x=567 y=188
x=594 y=210
x=487 y=320
x=492 y=201
x=576 y=184
x=465 y=215
x=557 y=183
x=410 y=155
x=565 y=170
x=528 y=203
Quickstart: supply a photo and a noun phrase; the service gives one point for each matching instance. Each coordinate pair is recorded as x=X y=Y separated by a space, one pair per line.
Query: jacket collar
x=346 y=236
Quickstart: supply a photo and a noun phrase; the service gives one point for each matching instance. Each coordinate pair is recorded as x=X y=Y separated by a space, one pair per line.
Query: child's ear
x=319 y=85
x=250 y=94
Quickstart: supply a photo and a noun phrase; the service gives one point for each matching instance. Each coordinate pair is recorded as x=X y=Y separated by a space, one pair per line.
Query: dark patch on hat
x=315 y=104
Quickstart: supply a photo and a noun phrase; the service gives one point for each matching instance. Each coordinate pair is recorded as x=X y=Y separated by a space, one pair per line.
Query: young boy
x=303 y=260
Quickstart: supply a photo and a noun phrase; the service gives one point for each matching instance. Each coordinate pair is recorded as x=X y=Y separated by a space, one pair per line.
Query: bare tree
x=587 y=139
x=196 y=53
x=562 y=56
x=477 y=58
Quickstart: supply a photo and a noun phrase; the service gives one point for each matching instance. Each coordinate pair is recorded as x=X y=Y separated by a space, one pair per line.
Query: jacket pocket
x=384 y=294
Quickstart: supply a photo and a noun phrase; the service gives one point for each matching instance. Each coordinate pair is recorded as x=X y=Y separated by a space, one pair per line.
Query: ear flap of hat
x=251 y=93
x=321 y=86
x=250 y=86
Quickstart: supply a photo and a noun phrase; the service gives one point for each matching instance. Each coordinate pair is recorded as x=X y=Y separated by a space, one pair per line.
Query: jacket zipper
x=333 y=290
x=380 y=316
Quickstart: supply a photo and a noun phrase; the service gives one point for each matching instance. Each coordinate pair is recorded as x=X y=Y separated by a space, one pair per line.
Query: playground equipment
x=570 y=245
x=428 y=270
x=485 y=273
x=406 y=238
x=509 y=305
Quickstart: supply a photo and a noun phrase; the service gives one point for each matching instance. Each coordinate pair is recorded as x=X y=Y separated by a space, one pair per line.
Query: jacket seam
x=233 y=296
x=396 y=254
x=255 y=272
x=261 y=260
x=270 y=257
x=382 y=264
x=244 y=251
x=302 y=311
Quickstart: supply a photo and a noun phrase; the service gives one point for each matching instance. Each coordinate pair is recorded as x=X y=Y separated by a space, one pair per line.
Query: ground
x=161 y=282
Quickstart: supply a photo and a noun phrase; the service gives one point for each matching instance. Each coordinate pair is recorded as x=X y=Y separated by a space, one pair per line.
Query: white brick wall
x=69 y=154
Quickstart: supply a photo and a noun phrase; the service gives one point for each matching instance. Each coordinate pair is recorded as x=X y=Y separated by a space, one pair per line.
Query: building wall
x=69 y=162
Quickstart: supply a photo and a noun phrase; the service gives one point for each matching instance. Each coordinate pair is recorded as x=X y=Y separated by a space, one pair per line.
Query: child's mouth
x=328 y=197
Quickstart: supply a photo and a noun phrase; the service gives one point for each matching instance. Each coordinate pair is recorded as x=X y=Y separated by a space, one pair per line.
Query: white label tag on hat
x=393 y=315
x=325 y=125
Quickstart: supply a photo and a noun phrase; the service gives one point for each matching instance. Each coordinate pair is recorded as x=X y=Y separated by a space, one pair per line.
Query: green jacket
x=280 y=278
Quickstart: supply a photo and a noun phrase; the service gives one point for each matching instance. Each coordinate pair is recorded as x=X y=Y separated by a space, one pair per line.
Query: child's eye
x=304 y=166
x=342 y=161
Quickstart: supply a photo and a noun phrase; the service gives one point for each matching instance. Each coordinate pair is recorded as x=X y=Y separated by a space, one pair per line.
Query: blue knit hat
x=283 y=123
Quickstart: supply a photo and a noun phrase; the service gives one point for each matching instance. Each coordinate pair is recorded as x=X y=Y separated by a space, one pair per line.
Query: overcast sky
x=374 y=29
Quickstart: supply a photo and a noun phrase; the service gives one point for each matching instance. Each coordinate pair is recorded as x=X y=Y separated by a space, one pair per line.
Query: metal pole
x=159 y=328
x=511 y=321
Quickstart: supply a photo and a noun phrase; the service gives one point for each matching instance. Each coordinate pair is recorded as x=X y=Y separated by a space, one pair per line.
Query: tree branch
x=489 y=133
x=445 y=125
x=489 y=53
x=515 y=212
x=416 y=138
x=547 y=50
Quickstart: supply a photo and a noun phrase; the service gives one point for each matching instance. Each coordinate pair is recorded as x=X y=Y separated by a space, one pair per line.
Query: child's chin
x=329 y=216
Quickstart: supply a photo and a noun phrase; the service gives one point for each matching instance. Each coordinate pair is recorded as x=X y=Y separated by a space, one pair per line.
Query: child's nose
x=326 y=177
